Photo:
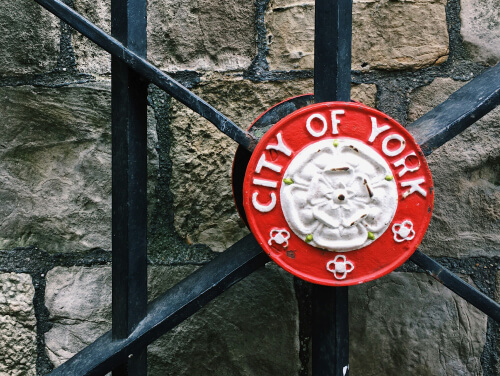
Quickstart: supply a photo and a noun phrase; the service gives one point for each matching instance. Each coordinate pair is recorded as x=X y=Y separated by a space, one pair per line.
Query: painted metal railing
x=136 y=324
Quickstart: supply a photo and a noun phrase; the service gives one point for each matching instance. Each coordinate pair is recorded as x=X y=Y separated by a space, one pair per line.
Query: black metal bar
x=457 y=285
x=332 y=82
x=462 y=109
x=330 y=331
x=149 y=72
x=170 y=309
x=129 y=181
x=332 y=50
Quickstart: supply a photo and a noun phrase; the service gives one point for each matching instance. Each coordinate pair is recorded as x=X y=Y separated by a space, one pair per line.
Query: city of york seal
x=338 y=181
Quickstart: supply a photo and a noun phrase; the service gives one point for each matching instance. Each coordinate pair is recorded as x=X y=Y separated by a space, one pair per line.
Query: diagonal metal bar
x=457 y=285
x=149 y=72
x=170 y=309
x=464 y=107
x=332 y=82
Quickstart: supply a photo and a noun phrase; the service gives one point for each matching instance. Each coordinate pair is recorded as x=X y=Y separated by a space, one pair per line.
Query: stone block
x=202 y=156
x=202 y=34
x=251 y=329
x=466 y=175
x=497 y=298
x=89 y=57
x=79 y=303
x=55 y=175
x=409 y=324
x=387 y=34
x=196 y=35
x=30 y=38
x=17 y=325
x=481 y=29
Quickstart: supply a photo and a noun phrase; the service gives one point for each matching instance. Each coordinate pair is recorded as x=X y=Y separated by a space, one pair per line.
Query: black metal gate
x=137 y=324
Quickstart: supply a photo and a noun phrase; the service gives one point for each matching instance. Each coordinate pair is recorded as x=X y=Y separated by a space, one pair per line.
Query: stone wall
x=242 y=57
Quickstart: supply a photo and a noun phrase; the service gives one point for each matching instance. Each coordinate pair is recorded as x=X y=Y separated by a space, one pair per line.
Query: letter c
x=263 y=208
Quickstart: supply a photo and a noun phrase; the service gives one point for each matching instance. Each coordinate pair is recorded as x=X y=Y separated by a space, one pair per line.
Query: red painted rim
x=326 y=259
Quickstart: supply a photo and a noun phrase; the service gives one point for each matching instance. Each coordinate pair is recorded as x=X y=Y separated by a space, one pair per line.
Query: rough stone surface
x=17 y=325
x=79 y=303
x=56 y=167
x=466 y=174
x=202 y=34
x=481 y=29
x=30 y=38
x=202 y=156
x=195 y=35
x=89 y=57
x=497 y=298
x=407 y=323
x=386 y=34
x=251 y=330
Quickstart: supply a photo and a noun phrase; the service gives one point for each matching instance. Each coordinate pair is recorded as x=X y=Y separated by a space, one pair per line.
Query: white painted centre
x=339 y=194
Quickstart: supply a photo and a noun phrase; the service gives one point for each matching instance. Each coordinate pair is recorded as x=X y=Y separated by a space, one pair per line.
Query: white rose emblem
x=338 y=195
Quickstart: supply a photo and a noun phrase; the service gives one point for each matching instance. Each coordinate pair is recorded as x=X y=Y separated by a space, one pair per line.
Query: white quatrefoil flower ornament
x=338 y=195
x=403 y=231
x=340 y=267
x=279 y=236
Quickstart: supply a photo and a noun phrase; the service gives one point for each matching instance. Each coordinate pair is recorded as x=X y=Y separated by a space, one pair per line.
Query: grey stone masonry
x=17 y=325
x=231 y=336
x=481 y=29
x=30 y=38
x=202 y=157
x=56 y=166
x=386 y=34
x=402 y=321
x=194 y=35
x=466 y=175
x=408 y=321
x=242 y=57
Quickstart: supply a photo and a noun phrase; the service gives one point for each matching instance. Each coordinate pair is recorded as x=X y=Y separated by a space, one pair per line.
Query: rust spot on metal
x=370 y=193
x=357 y=220
x=252 y=142
x=340 y=169
x=436 y=275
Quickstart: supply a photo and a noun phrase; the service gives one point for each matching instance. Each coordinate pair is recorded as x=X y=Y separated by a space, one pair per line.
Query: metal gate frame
x=136 y=324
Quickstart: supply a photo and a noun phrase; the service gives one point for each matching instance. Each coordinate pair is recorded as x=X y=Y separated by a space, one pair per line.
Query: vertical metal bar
x=330 y=331
x=129 y=178
x=332 y=82
x=332 y=50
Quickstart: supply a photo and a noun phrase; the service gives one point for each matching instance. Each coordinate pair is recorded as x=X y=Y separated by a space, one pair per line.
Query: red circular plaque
x=338 y=193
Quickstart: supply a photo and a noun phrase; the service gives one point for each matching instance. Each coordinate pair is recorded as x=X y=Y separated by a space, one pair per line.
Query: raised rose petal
x=318 y=190
x=328 y=216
